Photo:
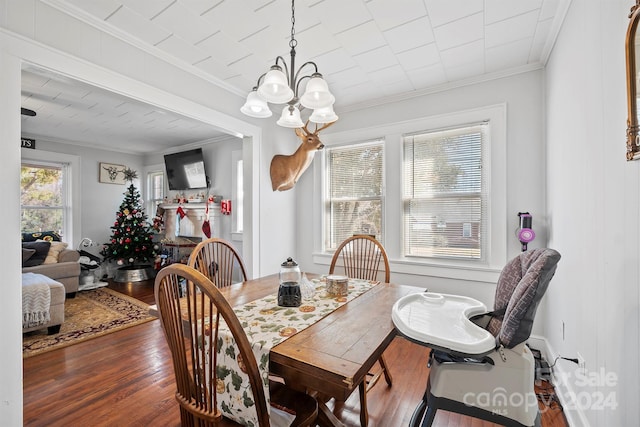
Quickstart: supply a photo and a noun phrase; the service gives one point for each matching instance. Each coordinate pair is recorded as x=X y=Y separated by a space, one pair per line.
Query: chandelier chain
x=293 y=42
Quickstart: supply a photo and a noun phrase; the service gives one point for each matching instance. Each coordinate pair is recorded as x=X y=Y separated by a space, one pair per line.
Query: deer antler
x=306 y=131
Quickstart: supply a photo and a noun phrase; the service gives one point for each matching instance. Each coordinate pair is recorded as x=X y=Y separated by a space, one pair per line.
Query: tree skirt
x=89 y=315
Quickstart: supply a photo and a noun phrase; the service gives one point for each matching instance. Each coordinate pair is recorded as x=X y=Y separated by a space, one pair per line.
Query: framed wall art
x=111 y=174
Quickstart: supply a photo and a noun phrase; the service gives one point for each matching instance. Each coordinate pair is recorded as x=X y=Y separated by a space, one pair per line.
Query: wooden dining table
x=330 y=358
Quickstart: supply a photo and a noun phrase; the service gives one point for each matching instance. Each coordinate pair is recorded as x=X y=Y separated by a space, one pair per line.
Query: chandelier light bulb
x=323 y=115
x=317 y=93
x=256 y=106
x=290 y=117
x=275 y=88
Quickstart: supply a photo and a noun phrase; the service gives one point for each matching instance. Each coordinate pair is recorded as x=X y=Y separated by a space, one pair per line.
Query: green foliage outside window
x=41 y=198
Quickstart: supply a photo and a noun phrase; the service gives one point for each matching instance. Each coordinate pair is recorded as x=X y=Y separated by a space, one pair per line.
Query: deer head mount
x=286 y=170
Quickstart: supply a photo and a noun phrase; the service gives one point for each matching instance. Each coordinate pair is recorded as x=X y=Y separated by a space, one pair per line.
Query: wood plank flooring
x=126 y=379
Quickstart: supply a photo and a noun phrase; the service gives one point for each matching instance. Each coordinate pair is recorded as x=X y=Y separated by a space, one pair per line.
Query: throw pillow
x=54 y=251
x=49 y=236
x=41 y=251
x=26 y=254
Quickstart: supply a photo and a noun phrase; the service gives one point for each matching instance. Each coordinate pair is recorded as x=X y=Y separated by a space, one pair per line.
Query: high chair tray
x=442 y=321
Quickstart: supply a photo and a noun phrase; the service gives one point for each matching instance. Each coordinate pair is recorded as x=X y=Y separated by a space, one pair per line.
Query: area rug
x=89 y=315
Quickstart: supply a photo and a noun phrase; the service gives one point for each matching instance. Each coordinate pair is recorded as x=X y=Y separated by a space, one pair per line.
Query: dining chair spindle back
x=218 y=260
x=182 y=293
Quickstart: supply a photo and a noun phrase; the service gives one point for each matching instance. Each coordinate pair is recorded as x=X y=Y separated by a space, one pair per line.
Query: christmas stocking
x=180 y=213
x=206 y=226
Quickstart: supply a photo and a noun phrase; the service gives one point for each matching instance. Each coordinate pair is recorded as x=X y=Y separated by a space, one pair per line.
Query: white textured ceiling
x=366 y=50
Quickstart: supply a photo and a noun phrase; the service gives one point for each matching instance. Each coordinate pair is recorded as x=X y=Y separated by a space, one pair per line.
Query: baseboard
x=559 y=376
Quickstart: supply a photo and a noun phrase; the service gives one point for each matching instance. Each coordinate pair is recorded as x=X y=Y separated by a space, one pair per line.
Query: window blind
x=354 y=192
x=444 y=193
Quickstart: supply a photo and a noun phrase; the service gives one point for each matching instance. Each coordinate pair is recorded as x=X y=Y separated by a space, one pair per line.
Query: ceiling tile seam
x=114 y=12
x=417 y=47
x=509 y=42
x=253 y=34
x=212 y=7
x=538 y=9
x=207 y=38
x=404 y=23
x=263 y=6
x=195 y=64
x=163 y=10
x=463 y=44
x=354 y=26
x=163 y=40
x=370 y=50
x=457 y=19
x=239 y=59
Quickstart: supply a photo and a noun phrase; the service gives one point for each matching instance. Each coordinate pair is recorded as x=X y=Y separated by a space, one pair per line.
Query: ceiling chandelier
x=278 y=87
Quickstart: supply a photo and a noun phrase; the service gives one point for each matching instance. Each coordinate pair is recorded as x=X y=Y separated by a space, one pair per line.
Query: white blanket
x=36 y=300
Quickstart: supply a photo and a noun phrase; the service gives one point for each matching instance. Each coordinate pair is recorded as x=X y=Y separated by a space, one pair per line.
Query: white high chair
x=479 y=364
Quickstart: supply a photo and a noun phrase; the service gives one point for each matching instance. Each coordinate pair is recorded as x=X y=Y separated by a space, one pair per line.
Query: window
x=43 y=199
x=155 y=192
x=238 y=209
x=444 y=194
x=354 y=196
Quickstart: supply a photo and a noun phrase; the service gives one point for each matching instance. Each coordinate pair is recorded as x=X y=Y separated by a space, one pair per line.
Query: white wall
x=35 y=32
x=525 y=179
x=593 y=207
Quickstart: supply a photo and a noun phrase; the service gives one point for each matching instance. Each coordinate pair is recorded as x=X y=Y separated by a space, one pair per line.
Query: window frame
x=486 y=270
x=153 y=203
x=72 y=190
x=326 y=188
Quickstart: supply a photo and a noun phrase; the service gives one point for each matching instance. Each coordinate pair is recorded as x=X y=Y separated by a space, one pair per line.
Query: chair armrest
x=68 y=255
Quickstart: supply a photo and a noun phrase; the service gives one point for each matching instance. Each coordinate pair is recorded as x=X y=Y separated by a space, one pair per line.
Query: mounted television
x=185 y=170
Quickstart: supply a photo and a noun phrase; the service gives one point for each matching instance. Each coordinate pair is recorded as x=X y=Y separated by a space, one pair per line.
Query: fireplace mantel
x=191 y=224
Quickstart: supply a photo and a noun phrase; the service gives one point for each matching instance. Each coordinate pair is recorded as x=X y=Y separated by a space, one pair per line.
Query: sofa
x=44 y=253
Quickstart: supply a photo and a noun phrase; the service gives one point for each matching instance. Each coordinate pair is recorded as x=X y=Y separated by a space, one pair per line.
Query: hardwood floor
x=126 y=379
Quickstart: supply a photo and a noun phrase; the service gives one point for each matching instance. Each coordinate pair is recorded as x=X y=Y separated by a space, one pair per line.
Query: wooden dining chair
x=363 y=257
x=218 y=260
x=202 y=306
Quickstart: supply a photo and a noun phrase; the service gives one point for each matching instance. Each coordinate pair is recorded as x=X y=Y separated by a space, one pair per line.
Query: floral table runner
x=266 y=325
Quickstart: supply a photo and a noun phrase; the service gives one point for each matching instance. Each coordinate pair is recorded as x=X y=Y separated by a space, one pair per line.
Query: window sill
x=473 y=273
x=236 y=236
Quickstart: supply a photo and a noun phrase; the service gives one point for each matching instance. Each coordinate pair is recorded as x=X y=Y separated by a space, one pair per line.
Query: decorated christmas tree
x=131 y=238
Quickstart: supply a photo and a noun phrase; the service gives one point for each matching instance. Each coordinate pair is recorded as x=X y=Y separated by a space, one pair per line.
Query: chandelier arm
x=258 y=82
x=286 y=68
x=315 y=67
x=298 y=86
